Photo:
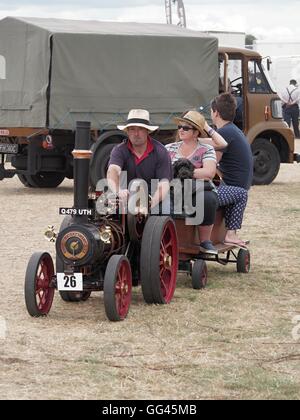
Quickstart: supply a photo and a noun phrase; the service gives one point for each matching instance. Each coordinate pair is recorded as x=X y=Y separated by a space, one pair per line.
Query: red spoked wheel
x=159 y=260
x=39 y=292
x=199 y=275
x=117 y=288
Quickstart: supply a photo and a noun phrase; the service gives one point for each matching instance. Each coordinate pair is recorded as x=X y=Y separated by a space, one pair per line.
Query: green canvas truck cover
x=55 y=72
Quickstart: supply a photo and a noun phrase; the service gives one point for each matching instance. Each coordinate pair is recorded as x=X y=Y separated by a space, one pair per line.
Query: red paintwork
x=168 y=273
x=189 y=238
x=123 y=289
x=44 y=293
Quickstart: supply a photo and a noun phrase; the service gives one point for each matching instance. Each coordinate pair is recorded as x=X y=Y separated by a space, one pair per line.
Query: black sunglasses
x=185 y=127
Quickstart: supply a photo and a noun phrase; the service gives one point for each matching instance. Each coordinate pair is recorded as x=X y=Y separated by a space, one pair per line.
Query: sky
x=269 y=20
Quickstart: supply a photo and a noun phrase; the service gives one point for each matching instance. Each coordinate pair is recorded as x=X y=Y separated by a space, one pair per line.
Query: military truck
x=55 y=72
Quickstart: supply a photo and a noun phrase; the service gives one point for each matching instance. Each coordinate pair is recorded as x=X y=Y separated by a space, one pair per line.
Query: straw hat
x=195 y=119
x=138 y=118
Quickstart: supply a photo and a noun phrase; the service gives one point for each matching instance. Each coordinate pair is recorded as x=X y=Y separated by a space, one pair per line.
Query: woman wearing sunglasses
x=192 y=132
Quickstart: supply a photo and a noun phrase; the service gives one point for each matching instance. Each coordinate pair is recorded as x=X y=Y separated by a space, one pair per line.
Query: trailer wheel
x=243 y=264
x=159 y=260
x=266 y=162
x=199 y=275
x=38 y=290
x=117 y=288
x=45 y=179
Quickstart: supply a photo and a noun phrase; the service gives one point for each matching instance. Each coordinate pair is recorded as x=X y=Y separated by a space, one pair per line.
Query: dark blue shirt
x=236 y=164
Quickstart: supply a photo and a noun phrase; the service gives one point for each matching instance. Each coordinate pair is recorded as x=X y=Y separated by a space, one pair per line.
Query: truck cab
x=259 y=113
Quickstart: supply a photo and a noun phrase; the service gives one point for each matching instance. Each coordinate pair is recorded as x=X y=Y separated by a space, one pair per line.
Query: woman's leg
x=205 y=230
x=234 y=199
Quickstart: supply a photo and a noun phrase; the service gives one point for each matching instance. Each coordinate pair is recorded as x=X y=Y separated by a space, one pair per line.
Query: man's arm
x=115 y=167
x=113 y=177
x=283 y=96
x=113 y=180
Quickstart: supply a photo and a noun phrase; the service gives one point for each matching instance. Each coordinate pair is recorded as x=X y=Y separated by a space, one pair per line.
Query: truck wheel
x=266 y=162
x=159 y=260
x=45 y=179
x=117 y=288
x=24 y=180
x=101 y=154
x=99 y=165
x=38 y=290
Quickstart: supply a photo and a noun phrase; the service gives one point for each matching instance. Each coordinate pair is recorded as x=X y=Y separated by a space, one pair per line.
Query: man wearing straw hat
x=140 y=156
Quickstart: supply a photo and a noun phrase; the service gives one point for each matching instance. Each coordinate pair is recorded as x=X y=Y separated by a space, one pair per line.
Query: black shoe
x=207 y=247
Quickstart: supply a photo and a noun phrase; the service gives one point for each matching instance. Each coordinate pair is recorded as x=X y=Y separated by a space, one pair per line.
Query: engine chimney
x=82 y=155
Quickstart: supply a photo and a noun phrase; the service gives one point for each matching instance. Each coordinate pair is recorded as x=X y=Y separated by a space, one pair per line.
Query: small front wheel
x=117 y=288
x=39 y=292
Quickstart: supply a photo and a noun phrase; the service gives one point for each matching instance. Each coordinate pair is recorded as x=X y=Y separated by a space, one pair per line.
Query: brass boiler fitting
x=50 y=234
x=112 y=236
x=106 y=235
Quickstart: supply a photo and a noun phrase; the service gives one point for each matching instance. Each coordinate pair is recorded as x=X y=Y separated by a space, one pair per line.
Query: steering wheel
x=237 y=88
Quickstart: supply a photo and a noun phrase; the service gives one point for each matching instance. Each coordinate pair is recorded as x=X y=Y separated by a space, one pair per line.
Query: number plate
x=70 y=282
x=67 y=211
x=9 y=149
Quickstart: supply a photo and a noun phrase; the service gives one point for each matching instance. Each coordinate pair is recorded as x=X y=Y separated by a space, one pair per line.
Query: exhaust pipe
x=82 y=155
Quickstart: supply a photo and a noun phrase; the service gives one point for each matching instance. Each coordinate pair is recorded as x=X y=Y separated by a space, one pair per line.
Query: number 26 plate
x=70 y=282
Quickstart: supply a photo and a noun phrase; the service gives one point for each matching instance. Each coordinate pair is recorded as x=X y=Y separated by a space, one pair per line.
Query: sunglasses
x=185 y=127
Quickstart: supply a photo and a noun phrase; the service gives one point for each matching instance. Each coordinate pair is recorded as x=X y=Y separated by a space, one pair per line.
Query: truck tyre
x=99 y=165
x=101 y=154
x=24 y=180
x=42 y=180
x=46 y=179
x=266 y=162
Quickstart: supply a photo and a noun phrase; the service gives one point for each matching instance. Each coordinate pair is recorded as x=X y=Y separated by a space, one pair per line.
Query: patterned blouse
x=202 y=153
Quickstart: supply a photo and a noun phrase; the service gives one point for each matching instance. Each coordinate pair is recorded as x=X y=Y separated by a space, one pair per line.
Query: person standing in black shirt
x=235 y=167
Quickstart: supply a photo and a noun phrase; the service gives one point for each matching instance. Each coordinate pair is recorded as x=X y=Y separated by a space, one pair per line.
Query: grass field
x=234 y=340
